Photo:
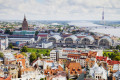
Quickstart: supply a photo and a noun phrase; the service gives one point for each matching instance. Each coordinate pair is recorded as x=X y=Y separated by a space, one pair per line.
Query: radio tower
x=103 y=21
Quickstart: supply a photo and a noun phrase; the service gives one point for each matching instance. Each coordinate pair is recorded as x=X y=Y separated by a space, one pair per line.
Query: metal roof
x=57 y=37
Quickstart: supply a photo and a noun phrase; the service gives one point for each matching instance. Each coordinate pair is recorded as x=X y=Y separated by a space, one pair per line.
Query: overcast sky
x=59 y=9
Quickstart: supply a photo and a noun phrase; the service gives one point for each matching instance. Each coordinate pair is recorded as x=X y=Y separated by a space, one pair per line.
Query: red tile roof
x=75 y=56
x=101 y=58
x=110 y=62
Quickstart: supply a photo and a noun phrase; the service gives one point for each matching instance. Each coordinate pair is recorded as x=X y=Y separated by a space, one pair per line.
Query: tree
x=7 y=31
x=39 y=55
x=115 y=51
x=42 y=79
x=73 y=32
x=1 y=55
x=112 y=47
x=33 y=56
x=59 y=30
x=117 y=58
x=24 y=49
x=118 y=47
x=36 y=33
x=10 y=46
x=92 y=33
x=24 y=54
x=105 y=54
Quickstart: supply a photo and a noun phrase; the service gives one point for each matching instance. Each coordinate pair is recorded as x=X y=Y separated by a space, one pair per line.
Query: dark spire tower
x=24 y=24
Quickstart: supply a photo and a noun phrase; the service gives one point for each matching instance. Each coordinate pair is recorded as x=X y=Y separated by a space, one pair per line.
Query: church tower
x=24 y=24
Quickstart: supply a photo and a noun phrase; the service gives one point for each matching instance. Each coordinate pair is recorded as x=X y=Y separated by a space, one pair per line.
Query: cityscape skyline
x=59 y=10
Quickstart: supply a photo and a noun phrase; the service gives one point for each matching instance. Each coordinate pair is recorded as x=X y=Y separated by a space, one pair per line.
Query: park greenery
x=113 y=55
x=24 y=49
x=35 y=53
x=34 y=56
x=10 y=46
x=45 y=52
x=23 y=53
x=1 y=55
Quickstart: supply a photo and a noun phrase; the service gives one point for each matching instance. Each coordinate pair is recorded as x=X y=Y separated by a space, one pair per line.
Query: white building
x=116 y=75
x=48 y=64
x=116 y=67
x=47 y=44
x=30 y=75
x=8 y=57
x=29 y=40
x=59 y=78
x=55 y=55
x=98 y=72
x=3 y=43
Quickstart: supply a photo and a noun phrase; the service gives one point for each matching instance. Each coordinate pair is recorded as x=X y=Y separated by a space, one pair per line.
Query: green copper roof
x=24 y=32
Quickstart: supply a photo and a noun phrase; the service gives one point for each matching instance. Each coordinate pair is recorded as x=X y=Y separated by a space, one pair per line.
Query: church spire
x=24 y=24
x=24 y=17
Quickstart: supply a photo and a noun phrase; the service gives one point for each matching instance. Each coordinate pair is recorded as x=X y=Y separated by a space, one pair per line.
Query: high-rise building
x=24 y=24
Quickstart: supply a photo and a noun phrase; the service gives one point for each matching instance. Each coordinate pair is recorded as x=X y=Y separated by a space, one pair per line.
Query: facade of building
x=77 y=40
x=116 y=76
x=3 y=43
x=46 y=45
x=98 y=72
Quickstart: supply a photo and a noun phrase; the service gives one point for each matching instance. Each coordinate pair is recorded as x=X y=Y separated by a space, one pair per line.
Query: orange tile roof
x=8 y=78
x=49 y=61
x=75 y=56
x=71 y=51
x=28 y=69
x=19 y=56
x=84 y=54
x=53 y=71
x=75 y=68
x=23 y=62
x=92 y=54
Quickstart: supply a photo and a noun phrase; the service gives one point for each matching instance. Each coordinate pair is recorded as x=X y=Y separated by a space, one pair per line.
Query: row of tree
x=115 y=55
x=115 y=47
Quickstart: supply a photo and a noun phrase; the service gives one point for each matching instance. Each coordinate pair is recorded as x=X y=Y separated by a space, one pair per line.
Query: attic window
x=78 y=69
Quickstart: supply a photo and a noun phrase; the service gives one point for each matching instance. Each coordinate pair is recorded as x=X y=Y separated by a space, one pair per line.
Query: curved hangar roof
x=57 y=37
x=90 y=38
x=107 y=38
x=73 y=37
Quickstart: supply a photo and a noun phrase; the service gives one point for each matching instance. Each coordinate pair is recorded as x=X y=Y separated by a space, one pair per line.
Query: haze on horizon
x=59 y=9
